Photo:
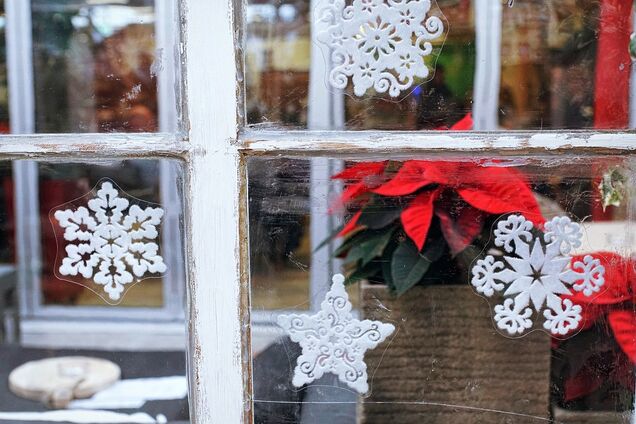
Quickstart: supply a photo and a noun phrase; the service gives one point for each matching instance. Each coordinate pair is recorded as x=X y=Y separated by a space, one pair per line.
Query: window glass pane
x=140 y=179
x=96 y=66
x=287 y=81
x=540 y=64
x=92 y=270
x=477 y=275
x=565 y=64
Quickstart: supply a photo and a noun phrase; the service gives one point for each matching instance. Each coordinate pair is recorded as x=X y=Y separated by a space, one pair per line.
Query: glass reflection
x=94 y=66
x=412 y=233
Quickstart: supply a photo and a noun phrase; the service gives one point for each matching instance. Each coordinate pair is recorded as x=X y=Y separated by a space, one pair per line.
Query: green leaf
x=370 y=248
x=363 y=273
x=349 y=242
x=386 y=272
x=378 y=214
x=329 y=238
x=407 y=266
x=434 y=249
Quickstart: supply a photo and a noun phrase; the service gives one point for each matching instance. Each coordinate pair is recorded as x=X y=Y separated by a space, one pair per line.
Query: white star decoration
x=113 y=242
x=537 y=277
x=333 y=341
x=377 y=43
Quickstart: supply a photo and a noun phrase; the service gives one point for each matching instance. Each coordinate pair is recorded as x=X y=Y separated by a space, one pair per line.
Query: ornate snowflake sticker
x=379 y=44
x=333 y=341
x=109 y=245
x=534 y=275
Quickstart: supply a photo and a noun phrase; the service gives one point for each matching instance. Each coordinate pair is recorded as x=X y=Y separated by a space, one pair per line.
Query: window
x=326 y=198
x=83 y=82
x=256 y=231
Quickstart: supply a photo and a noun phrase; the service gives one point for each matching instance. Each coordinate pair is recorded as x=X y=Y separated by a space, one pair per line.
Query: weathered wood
x=447 y=364
x=267 y=141
x=563 y=416
x=215 y=240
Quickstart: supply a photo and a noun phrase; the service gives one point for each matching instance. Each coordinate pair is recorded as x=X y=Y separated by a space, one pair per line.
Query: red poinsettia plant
x=410 y=221
x=594 y=369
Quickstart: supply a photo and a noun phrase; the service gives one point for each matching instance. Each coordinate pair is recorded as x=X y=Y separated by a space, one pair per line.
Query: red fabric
x=623 y=325
x=619 y=281
x=613 y=65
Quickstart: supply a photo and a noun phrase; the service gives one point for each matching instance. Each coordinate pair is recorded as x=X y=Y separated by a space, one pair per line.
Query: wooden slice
x=57 y=381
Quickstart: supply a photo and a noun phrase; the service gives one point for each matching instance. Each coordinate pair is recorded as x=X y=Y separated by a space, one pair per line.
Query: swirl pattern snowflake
x=111 y=243
x=379 y=44
x=534 y=275
x=333 y=341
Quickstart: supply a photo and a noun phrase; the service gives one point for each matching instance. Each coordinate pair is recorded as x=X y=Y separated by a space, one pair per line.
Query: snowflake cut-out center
x=111 y=242
x=379 y=44
x=333 y=341
x=534 y=275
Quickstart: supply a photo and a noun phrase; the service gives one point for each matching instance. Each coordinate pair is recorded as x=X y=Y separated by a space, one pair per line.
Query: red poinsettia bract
x=361 y=178
x=436 y=187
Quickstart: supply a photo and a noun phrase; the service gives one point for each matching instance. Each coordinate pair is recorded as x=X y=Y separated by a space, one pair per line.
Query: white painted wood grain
x=87 y=146
x=218 y=375
x=256 y=141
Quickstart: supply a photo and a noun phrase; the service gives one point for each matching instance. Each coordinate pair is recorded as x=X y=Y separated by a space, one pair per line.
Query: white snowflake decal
x=112 y=241
x=333 y=341
x=378 y=43
x=537 y=276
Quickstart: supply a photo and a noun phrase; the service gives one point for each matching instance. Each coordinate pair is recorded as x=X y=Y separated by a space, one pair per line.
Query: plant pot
x=446 y=362
x=591 y=417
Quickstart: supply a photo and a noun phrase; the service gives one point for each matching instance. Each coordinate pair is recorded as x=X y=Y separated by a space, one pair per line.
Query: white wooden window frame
x=214 y=150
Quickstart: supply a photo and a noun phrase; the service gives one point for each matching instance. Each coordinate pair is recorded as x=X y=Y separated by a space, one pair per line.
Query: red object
x=482 y=190
x=613 y=65
x=416 y=219
x=464 y=124
x=614 y=305
x=52 y=193
x=623 y=324
x=493 y=190
x=613 y=70
x=360 y=178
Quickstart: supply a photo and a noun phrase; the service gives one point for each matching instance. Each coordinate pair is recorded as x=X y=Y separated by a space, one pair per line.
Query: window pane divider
x=216 y=248
x=107 y=146
x=337 y=143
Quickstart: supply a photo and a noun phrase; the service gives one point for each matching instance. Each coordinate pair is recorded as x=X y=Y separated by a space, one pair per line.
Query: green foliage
x=407 y=266
x=378 y=214
x=370 y=248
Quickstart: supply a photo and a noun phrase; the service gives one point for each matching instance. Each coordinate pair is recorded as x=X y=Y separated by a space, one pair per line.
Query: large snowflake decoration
x=333 y=341
x=378 y=43
x=534 y=279
x=111 y=243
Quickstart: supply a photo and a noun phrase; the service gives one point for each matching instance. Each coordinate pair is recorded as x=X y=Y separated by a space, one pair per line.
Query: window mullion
x=215 y=191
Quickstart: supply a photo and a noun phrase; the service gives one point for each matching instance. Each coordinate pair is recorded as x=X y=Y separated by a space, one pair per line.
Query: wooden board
x=447 y=364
